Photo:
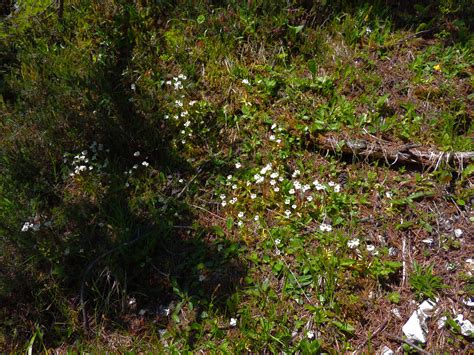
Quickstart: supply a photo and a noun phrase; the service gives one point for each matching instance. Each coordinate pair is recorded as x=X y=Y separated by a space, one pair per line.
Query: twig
x=408 y=342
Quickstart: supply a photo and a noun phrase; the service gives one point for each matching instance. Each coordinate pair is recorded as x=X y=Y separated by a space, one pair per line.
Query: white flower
x=277 y=251
x=331 y=183
x=241 y=214
x=389 y=194
x=278 y=241
x=187 y=123
x=234 y=187
x=306 y=187
x=223 y=203
x=145 y=163
x=222 y=197
x=253 y=196
x=272 y=137
x=297 y=185
x=182 y=76
x=309 y=198
x=288 y=213
x=310 y=334
x=371 y=249
x=26 y=226
x=168 y=82
x=229 y=177
x=240 y=223
x=246 y=82
x=291 y=192
x=318 y=186
x=325 y=227
x=274 y=175
x=272 y=182
x=276 y=189
x=234 y=200
x=192 y=102
x=296 y=173
x=233 y=322
x=180 y=181
x=458 y=233
x=337 y=188
x=353 y=243
x=287 y=201
x=280 y=178
x=238 y=165
x=293 y=206
x=256 y=218
x=184 y=114
x=273 y=126
x=201 y=278
x=179 y=103
x=278 y=140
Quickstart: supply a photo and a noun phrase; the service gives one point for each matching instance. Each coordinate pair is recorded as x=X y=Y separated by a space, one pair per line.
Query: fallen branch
x=410 y=153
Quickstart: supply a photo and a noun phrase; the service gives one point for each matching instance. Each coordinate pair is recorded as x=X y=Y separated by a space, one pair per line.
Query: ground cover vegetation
x=167 y=182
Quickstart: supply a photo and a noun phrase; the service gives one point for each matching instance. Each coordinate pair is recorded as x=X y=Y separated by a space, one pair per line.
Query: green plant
x=424 y=283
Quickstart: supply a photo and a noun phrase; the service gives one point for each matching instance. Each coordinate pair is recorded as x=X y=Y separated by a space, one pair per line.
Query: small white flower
x=245 y=81
x=273 y=126
x=297 y=185
x=296 y=173
x=287 y=201
x=26 y=226
x=280 y=178
x=325 y=227
x=233 y=322
x=241 y=214
x=353 y=243
x=389 y=194
x=166 y=117
x=234 y=187
x=310 y=334
x=337 y=188
x=182 y=76
x=272 y=182
x=187 y=123
x=278 y=140
x=238 y=165
x=184 y=114
x=318 y=186
x=371 y=249
x=291 y=192
x=168 y=82
x=256 y=218
x=222 y=197
x=277 y=252
x=278 y=241
x=229 y=177
x=293 y=206
x=180 y=181
x=133 y=87
x=276 y=189
x=192 y=102
x=223 y=203
x=274 y=175
x=288 y=213
x=179 y=103
x=309 y=198
x=145 y=163
x=234 y=200
x=240 y=223
x=201 y=278
x=272 y=137
x=306 y=187
x=331 y=183
x=458 y=233
x=253 y=196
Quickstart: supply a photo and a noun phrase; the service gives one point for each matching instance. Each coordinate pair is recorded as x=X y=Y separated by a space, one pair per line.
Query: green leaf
x=345 y=327
x=312 y=66
x=230 y=223
x=201 y=19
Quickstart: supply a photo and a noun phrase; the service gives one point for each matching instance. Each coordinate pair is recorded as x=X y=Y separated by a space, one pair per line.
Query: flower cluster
x=83 y=162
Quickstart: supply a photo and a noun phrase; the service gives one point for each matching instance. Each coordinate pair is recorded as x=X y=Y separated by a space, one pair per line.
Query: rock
x=415 y=328
x=386 y=351
x=467 y=328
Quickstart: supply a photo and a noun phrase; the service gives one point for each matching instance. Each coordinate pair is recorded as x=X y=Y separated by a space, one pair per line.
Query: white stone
x=467 y=328
x=458 y=233
x=386 y=351
x=415 y=328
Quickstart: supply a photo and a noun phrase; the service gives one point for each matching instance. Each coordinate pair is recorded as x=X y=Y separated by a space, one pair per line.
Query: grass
x=172 y=152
